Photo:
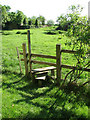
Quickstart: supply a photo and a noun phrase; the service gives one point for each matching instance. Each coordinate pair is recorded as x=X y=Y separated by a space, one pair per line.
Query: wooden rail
x=75 y=67
x=41 y=62
x=69 y=51
x=43 y=56
x=39 y=55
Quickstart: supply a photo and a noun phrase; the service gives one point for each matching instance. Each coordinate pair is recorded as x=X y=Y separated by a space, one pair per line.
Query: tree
x=19 y=17
x=25 y=21
x=50 y=22
x=5 y=9
x=33 y=20
x=41 y=20
x=79 y=33
x=36 y=23
x=70 y=18
x=29 y=21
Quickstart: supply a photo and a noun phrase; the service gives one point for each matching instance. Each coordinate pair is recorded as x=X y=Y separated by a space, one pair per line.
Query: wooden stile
x=58 y=62
x=25 y=58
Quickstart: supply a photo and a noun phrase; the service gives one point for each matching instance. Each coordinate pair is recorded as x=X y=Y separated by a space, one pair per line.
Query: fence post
x=25 y=58
x=29 y=50
x=19 y=60
x=58 y=63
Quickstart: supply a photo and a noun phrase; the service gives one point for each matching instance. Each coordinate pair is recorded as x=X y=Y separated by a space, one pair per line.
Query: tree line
x=16 y=20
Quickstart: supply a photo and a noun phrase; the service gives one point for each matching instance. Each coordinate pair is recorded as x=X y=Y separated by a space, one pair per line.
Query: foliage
x=25 y=21
x=33 y=20
x=5 y=9
x=41 y=20
x=50 y=22
x=78 y=31
x=36 y=23
x=11 y=20
x=66 y=20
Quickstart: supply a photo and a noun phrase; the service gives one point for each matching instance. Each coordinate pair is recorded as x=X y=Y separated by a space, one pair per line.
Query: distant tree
x=5 y=9
x=33 y=20
x=12 y=17
x=19 y=17
x=50 y=22
x=41 y=20
x=36 y=23
x=25 y=21
x=29 y=21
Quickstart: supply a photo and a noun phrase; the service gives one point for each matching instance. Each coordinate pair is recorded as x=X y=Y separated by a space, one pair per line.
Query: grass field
x=22 y=99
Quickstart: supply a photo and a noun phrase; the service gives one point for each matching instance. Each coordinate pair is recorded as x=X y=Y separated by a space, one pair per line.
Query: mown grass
x=22 y=99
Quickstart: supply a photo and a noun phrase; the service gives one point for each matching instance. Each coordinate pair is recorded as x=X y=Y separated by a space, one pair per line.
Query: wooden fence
x=58 y=64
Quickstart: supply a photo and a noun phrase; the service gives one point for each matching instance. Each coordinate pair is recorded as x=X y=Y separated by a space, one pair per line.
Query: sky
x=50 y=9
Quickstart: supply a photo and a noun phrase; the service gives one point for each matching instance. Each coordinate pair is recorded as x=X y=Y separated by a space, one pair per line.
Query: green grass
x=22 y=99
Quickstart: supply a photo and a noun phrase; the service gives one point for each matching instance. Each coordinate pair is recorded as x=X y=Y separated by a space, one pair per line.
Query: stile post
x=19 y=60
x=29 y=50
x=25 y=58
x=58 y=63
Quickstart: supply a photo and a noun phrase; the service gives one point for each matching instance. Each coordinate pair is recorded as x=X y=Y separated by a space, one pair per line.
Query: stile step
x=40 y=74
x=41 y=78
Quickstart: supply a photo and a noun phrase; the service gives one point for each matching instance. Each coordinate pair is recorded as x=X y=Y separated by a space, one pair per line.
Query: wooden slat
x=44 y=69
x=43 y=56
x=74 y=67
x=68 y=51
x=41 y=62
x=41 y=78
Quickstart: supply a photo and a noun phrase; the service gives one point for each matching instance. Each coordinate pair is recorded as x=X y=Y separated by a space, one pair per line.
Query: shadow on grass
x=53 y=102
x=52 y=32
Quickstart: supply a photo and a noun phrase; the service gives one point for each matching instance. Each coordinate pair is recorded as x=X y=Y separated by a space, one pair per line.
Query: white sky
x=50 y=9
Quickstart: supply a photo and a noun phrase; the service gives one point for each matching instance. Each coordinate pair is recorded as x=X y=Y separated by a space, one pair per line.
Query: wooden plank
x=74 y=67
x=68 y=51
x=43 y=56
x=44 y=69
x=41 y=78
x=25 y=58
x=29 y=50
x=19 y=60
x=41 y=62
x=58 y=62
